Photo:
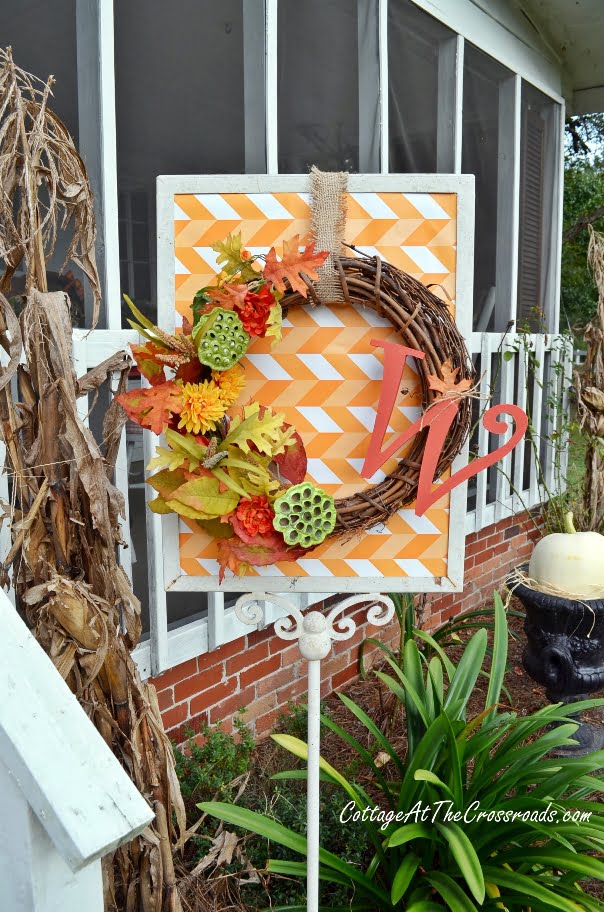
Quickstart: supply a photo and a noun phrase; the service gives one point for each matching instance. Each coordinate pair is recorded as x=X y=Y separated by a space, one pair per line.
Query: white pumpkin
x=571 y=562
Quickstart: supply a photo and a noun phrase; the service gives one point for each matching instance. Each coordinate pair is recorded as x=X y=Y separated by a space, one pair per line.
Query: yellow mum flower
x=230 y=383
x=202 y=407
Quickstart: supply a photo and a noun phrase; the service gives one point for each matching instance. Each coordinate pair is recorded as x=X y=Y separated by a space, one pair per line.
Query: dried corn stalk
x=65 y=512
x=590 y=394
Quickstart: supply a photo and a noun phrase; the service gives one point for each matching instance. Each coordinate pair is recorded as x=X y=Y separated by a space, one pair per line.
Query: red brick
x=343 y=677
x=474 y=548
x=227 y=707
x=276 y=644
x=246 y=658
x=173 y=717
x=501 y=548
x=265 y=724
x=198 y=683
x=262 y=705
x=259 y=636
x=290 y=656
x=212 y=695
x=292 y=690
x=475 y=573
x=260 y=670
x=176 y=674
x=181 y=734
x=337 y=662
x=216 y=656
x=165 y=699
x=280 y=678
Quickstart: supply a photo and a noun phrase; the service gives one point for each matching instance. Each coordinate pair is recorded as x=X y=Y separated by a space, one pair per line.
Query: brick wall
x=262 y=672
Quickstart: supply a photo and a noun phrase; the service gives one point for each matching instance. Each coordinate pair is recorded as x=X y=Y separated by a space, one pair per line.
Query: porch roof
x=574 y=34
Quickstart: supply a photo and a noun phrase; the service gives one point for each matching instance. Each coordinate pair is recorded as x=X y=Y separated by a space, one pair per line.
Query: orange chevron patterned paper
x=324 y=375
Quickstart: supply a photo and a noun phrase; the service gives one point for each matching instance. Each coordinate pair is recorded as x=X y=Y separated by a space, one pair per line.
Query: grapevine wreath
x=239 y=472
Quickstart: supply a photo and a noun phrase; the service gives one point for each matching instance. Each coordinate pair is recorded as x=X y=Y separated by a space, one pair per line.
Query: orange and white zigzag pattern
x=324 y=375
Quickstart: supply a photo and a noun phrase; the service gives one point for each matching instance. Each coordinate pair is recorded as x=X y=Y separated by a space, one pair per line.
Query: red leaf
x=292 y=264
x=260 y=551
x=147 y=363
x=152 y=407
x=293 y=463
x=191 y=372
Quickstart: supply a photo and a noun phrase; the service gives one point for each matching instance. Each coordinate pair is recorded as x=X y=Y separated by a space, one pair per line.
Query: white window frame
x=506 y=38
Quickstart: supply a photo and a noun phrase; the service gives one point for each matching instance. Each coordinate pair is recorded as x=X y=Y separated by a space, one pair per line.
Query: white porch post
x=32 y=873
x=315 y=633
x=65 y=800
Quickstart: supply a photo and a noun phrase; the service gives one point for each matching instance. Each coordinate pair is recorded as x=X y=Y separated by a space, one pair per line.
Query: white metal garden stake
x=314 y=632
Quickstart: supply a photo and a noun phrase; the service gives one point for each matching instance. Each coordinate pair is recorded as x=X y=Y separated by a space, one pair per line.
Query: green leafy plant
x=497 y=763
x=404 y=607
x=208 y=770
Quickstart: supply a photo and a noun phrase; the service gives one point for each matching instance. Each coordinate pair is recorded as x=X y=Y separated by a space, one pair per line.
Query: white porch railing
x=65 y=800
x=533 y=371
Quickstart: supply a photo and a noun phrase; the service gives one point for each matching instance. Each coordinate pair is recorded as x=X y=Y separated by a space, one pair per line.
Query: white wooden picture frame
x=164 y=531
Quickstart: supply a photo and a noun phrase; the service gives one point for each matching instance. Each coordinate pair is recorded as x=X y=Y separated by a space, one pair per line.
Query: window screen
x=318 y=95
x=540 y=138
x=421 y=70
x=483 y=85
x=180 y=110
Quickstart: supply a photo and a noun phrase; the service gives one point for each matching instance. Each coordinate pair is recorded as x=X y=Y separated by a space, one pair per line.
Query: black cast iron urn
x=565 y=653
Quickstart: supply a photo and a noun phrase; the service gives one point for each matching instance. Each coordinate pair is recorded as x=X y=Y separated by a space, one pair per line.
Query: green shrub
x=208 y=770
x=500 y=760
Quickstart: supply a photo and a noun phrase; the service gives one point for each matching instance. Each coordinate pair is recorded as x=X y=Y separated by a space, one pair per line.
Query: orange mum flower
x=202 y=407
x=230 y=383
x=255 y=515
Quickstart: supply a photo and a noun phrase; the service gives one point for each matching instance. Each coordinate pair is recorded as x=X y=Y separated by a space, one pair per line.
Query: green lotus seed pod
x=220 y=338
x=305 y=515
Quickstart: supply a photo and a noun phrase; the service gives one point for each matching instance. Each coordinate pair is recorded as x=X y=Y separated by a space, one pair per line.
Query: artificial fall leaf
x=147 y=362
x=293 y=463
x=292 y=264
x=448 y=386
x=233 y=258
x=237 y=556
x=166 y=460
x=167 y=481
x=182 y=448
x=229 y=296
x=189 y=445
x=215 y=528
x=273 y=325
x=159 y=505
x=191 y=372
x=266 y=431
x=201 y=498
x=153 y=406
x=251 y=472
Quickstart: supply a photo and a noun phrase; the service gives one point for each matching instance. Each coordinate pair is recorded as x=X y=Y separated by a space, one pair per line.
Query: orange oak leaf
x=152 y=407
x=228 y=296
x=261 y=551
x=293 y=264
x=449 y=386
x=148 y=364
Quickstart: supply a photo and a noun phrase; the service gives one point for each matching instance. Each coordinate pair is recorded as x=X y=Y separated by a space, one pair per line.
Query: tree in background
x=583 y=206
